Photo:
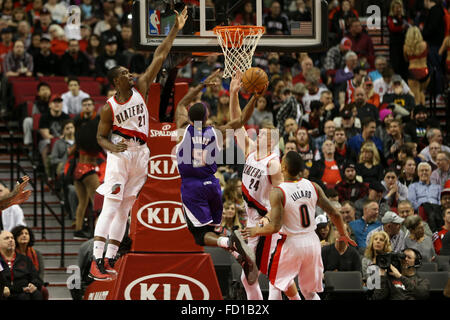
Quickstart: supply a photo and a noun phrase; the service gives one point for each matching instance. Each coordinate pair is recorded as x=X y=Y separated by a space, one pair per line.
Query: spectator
x=313 y=120
x=93 y=50
x=346 y=73
x=42 y=25
x=417 y=238
x=397 y=25
x=306 y=147
x=408 y=173
x=18 y=62
x=60 y=150
x=18 y=15
x=437 y=240
x=339 y=256
x=403 y=103
x=247 y=17
x=72 y=98
x=314 y=89
x=291 y=112
x=288 y=133
x=362 y=44
x=24 y=33
x=442 y=173
x=233 y=192
x=347 y=211
x=230 y=219
x=435 y=147
x=12 y=216
x=378 y=243
x=334 y=58
x=85 y=33
x=59 y=40
x=340 y=17
x=113 y=31
x=75 y=62
x=6 y=45
x=433 y=135
x=417 y=127
x=375 y=193
x=395 y=139
x=369 y=221
x=404 y=284
x=372 y=97
x=395 y=191
x=392 y=224
x=385 y=84
x=109 y=59
x=340 y=140
x=328 y=168
x=423 y=191
x=222 y=109
x=349 y=188
x=35 y=45
x=330 y=110
x=306 y=64
x=405 y=209
x=24 y=240
x=380 y=65
x=369 y=164
x=22 y=278
x=46 y=63
x=368 y=134
x=50 y=128
x=328 y=128
x=260 y=114
x=323 y=230
x=363 y=108
x=416 y=52
x=434 y=34
x=41 y=105
x=275 y=21
x=57 y=9
x=349 y=122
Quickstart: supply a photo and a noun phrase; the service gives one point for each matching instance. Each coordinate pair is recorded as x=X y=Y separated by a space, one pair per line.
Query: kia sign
x=166 y=286
x=162 y=216
x=163 y=167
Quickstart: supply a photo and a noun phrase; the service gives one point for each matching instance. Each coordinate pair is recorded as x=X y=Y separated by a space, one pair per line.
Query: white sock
x=253 y=291
x=274 y=293
x=296 y=297
x=99 y=246
x=235 y=254
x=111 y=251
x=223 y=242
x=311 y=296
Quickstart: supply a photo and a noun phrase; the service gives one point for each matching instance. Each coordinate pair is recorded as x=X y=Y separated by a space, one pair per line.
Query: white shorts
x=125 y=173
x=299 y=255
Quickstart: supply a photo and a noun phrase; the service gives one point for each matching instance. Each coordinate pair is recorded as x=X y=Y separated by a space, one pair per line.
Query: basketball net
x=238 y=44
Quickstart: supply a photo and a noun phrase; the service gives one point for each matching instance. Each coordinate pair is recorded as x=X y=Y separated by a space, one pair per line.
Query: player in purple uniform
x=197 y=148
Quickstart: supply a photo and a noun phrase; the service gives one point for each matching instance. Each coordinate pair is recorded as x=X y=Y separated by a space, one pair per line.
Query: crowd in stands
x=360 y=120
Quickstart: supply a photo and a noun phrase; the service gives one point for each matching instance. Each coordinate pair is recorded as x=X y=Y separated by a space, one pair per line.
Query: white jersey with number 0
x=300 y=199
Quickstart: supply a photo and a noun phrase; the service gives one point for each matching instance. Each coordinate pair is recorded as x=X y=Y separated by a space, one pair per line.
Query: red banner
x=160 y=277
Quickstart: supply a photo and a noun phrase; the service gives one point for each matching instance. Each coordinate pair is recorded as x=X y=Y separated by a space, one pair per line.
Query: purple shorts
x=202 y=201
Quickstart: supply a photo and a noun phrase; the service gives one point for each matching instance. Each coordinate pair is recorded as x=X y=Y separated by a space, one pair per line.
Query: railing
x=20 y=171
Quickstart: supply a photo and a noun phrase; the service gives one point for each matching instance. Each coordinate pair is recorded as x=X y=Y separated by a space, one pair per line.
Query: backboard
x=288 y=29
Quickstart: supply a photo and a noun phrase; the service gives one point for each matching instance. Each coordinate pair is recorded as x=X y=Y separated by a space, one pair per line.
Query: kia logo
x=163 y=167
x=166 y=127
x=166 y=286
x=162 y=216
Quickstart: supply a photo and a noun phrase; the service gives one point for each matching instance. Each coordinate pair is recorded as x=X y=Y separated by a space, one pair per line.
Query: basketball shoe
x=98 y=272
x=238 y=244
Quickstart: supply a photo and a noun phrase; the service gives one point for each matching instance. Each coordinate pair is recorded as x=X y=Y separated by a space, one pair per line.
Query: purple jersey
x=196 y=153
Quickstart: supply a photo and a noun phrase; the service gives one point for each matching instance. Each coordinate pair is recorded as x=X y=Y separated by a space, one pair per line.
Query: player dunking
x=125 y=118
x=298 y=253
x=197 y=148
x=261 y=173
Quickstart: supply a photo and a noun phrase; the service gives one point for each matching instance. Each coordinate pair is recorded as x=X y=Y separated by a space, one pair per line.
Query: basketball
x=254 y=80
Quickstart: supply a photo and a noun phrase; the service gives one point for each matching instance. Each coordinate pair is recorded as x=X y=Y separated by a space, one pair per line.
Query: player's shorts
x=126 y=172
x=263 y=247
x=202 y=200
x=299 y=255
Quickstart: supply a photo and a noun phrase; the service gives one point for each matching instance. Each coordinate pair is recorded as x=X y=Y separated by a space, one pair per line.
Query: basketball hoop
x=238 y=44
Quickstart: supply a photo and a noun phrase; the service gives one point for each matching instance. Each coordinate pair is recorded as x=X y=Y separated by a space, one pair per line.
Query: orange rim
x=232 y=30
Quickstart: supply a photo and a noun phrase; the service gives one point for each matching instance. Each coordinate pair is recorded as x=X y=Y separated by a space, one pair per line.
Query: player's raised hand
x=211 y=79
x=181 y=18
x=236 y=82
x=347 y=240
x=20 y=194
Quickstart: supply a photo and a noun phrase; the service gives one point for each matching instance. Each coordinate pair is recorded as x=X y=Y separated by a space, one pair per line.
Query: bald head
x=7 y=243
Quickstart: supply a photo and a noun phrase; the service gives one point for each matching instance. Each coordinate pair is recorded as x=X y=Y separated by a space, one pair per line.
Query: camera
x=385 y=260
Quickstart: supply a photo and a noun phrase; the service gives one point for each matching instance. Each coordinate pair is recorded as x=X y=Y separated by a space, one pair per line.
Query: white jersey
x=130 y=119
x=256 y=186
x=300 y=199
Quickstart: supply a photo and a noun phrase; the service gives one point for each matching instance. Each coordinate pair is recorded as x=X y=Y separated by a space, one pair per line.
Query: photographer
x=404 y=285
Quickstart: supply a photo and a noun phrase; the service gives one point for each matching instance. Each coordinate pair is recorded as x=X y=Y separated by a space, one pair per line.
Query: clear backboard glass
x=291 y=25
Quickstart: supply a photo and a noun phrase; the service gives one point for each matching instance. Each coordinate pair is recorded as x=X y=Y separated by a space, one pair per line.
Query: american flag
x=301 y=28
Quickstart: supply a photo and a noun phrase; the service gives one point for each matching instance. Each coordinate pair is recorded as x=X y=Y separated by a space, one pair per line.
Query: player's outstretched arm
x=104 y=129
x=17 y=196
x=275 y=217
x=333 y=213
x=161 y=54
x=181 y=114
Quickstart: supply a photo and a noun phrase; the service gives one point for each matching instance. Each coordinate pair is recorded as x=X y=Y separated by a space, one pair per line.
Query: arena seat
x=92 y=87
x=438 y=280
x=428 y=267
x=343 y=285
x=52 y=79
x=443 y=263
x=22 y=90
x=58 y=87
